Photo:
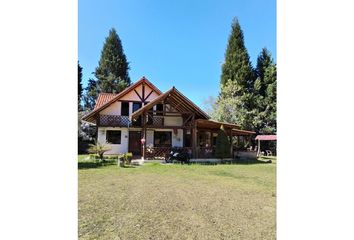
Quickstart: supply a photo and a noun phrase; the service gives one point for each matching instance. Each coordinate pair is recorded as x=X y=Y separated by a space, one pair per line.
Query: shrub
x=222 y=144
x=126 y=158
x=99 y=149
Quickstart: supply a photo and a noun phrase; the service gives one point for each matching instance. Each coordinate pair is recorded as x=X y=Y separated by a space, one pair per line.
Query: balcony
x=155 y=121
x=113 y=121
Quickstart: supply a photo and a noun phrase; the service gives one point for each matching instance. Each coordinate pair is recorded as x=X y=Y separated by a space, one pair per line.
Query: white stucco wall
x=113 y=109
x=116 y=148
x=177 y=140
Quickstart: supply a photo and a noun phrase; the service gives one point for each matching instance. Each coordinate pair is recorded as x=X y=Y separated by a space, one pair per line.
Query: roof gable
x=178 y=101
x=106 y=99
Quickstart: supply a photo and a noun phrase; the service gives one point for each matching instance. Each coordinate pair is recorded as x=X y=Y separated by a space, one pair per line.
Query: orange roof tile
x=103 y=98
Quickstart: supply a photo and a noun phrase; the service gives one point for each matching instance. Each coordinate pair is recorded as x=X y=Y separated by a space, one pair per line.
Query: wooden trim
x=148 y=95
x=138 y=95
x=132 y=101
x=143 y=93
x=187 y=119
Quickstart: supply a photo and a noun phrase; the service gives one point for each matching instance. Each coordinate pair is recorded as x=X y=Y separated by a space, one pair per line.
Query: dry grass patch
x=177 y=202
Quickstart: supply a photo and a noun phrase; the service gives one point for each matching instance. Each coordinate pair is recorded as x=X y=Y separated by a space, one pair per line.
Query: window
x=136 y=106
x=159 y=107
x=162 y=139
x=125 y=109
x=113 y=136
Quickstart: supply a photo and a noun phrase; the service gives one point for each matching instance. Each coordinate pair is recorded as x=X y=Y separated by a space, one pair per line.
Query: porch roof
x=266 y=137
x=177 y=100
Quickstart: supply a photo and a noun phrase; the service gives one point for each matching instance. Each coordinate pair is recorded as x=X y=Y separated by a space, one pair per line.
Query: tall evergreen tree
x=91 y=94
x=112 y=71
x=237 y=66
x=265 y=93
x=235 y=103
x=79 y=94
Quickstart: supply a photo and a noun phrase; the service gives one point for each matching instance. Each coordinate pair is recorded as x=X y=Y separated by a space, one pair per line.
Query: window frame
x=109 y=132
x=162 y=144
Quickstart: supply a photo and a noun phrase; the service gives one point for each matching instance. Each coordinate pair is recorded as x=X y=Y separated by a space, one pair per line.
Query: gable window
x=113 y=136
x=125 y=109
x=136 y=107
x=159 y=108
x=162 y=139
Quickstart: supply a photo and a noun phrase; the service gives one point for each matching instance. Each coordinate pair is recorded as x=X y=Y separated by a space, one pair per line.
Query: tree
x=91 y=94
x=265 y=93
x=79 y=85
x=237 y=66
x=208 y=105
x=112 y=71
x=222 y=148
x=235 y=103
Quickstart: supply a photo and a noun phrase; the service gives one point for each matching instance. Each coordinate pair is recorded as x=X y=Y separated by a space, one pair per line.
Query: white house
x=143 y=120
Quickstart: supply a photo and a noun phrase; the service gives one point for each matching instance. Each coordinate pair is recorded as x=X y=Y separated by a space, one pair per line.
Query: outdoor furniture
x=264 y=138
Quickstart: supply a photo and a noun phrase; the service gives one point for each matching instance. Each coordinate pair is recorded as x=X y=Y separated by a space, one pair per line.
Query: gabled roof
x=181 y=103
x=104 y=98
x=102 y=104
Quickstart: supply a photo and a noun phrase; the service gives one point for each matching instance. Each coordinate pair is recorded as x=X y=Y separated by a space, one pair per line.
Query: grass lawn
x=157 y=201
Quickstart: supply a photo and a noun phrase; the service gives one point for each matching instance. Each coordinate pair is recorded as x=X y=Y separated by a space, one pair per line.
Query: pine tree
x=112 y=71
x=237 y=66
x=265 y=93
x=235 y=103
x=222 y=148
x=79 y=85
x=91 y=94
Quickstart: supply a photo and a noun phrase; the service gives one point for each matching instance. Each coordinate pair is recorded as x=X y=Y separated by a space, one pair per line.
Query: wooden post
x=194 y=138
x=144 y=133
x=259 y=148
x=231 y=147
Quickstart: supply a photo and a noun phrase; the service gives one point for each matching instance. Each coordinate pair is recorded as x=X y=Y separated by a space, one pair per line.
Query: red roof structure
x=104 y=98
x=266 y=137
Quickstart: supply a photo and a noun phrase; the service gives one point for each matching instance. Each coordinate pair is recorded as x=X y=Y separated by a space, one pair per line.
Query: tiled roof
x=103 y=98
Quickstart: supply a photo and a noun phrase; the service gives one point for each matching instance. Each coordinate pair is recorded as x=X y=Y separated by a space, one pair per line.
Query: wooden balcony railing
x=113 y=121
x=155 y=121
x=161 y=152
x=205 y=152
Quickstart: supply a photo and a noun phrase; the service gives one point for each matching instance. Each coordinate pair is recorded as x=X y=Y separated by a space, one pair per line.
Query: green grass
x=195 y=201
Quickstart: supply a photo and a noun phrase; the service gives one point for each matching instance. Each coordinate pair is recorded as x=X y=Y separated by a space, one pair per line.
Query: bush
x=222 y=149
x=126 y=158
x=99 y=149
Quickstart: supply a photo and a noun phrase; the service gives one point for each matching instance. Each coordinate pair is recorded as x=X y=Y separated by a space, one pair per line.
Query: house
x=143 y=120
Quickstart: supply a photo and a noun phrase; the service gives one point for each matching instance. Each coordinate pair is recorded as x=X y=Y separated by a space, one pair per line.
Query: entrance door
x=135 y=143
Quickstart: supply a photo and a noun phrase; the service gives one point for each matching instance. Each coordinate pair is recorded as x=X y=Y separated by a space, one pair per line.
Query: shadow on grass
x=128 y=166
x=92 y=164
x=234 y=162
x=251 y=161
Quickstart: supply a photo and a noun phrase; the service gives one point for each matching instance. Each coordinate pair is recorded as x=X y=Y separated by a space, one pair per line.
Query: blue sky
x=175 y=43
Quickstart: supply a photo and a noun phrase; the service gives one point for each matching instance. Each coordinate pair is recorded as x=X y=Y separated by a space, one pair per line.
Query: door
x=135 y=143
